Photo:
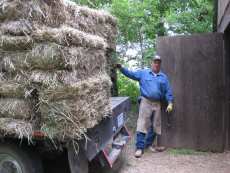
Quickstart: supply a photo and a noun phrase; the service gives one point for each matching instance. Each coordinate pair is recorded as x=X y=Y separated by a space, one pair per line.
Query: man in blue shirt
x=154 y=88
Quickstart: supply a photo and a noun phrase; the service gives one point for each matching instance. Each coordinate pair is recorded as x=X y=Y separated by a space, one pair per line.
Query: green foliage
x=193 y=17
x=134 y=18
x=128 y=87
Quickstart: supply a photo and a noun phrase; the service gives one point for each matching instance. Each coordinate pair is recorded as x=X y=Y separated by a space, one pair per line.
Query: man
x=154 y=88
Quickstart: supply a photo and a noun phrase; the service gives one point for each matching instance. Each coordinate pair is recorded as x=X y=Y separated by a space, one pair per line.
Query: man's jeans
x=143 y=141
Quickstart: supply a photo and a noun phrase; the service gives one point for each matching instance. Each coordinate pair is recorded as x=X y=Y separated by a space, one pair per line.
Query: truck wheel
x=16 y=160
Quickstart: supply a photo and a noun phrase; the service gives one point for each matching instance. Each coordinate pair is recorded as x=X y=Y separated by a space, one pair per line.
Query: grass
x=185 y=152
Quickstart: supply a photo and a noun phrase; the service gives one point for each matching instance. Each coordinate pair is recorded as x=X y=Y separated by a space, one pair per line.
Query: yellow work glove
x=169 y=108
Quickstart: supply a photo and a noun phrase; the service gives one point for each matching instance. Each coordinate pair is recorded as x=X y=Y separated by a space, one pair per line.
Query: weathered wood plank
x=195 y=67
x=223 y=14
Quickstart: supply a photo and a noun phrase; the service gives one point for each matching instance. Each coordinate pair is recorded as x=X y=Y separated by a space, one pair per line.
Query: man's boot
x=140 y=144
x=138 y=153
x=153 y=149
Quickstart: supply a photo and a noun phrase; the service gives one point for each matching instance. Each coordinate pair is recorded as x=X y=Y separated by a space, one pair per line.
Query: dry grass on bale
x=95 y=15
x=87 y=87
x=12 y=89
x=14 y=43
x=14 y=78
x=42 y=56
x=51 y=56
x=68 y=36
x=72 y=111
x=106 y=31
x=92 y=21
x=63 y=123
x=16 y=28
x=17 y=128
x=15 y=108
x=50 y=13
x=64 y=35
x=57 y=78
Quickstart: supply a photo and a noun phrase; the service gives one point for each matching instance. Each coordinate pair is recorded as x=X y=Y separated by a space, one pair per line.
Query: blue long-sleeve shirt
x=154 y=87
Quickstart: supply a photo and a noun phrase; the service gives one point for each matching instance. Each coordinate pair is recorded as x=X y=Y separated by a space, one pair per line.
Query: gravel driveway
x=170 y=163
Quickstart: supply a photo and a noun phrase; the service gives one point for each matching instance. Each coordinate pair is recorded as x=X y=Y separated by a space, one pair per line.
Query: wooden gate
x=195 y=66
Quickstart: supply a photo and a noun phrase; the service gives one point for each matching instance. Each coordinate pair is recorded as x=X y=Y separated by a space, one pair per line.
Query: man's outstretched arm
x=135 y=75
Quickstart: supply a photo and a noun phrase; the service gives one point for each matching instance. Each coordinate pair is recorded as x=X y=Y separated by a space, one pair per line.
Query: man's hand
x=119 y=66
x=169 y=108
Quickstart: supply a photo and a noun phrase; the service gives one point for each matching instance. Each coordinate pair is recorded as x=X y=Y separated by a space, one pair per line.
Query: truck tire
x=17 y=160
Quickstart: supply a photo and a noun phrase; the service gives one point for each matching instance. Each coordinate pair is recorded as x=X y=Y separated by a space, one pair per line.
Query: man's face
x=156 y=66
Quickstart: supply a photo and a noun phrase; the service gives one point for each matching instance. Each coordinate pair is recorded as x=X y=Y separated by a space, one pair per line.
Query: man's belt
x=151 y=100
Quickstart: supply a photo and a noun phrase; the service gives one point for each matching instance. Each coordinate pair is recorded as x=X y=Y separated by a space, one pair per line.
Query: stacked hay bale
x=54 y=66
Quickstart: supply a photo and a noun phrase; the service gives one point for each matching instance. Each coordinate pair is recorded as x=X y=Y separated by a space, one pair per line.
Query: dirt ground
x=172 y=161
x=168 y=162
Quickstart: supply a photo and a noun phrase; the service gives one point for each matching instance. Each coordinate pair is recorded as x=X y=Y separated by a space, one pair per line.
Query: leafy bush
x=128 y=87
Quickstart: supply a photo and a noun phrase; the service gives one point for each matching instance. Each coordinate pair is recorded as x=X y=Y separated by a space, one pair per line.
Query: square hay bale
x=59 y=78
x=51 y=56
x=90 y=86
x=68 y=36
x=78 y=107
x=98 y=16
x=51 y=13
x=96 y=22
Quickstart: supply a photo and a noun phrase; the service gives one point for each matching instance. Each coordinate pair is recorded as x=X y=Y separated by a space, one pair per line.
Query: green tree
x=195 y=16
x=128 y=87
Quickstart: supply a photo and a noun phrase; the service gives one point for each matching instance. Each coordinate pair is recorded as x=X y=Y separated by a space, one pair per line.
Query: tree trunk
x=142 y=48
x=215 y=16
